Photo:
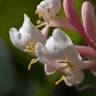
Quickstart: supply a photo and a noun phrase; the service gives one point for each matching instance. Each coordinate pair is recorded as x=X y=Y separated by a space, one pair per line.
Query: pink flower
x=88 y=18
x=87 y=27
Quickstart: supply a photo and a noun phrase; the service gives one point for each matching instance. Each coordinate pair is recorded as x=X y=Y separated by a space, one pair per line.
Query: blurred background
x=15 y=79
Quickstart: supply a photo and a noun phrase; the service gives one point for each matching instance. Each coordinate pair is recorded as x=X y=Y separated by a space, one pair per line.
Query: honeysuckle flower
x=87 y=28
x=59 y=54
x=71 y=14
x=26 y=37
x=76 y=22
x=89 y=22
x=89 y=19
x=27 y=33
x=48 y=10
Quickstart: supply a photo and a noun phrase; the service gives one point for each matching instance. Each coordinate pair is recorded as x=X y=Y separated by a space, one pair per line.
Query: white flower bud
x=49 y=8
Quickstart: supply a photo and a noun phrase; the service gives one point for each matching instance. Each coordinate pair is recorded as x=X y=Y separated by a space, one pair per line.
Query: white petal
x=27 y=33
x=73 y=75
x=48 y=69
x=59 y=45
x=41 y=52
x=58 y=42
x=57 y=48
x=15 y=37
x=49 y=8
x=46 y=58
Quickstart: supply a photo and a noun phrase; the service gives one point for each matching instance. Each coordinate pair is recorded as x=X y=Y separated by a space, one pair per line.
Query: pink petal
x=60 y=22
x=48 y=69
x=90 y=64
x=72 y=15
x=86 y=51
x=75 y=21
x=89 y=19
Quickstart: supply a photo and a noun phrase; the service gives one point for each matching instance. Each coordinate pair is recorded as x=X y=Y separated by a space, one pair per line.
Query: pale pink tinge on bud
x=89 y=19
x=48 y=9
x=89 y=23
x=60 y=22
x=72 y=15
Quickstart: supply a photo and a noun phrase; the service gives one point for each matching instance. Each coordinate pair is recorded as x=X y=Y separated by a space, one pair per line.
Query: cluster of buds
x=57 y=52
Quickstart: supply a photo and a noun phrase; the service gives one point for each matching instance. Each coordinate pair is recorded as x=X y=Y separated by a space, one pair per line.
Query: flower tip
x=26 y=17
x=12 y=31
x=27 y=25
x=61 y=35
x=86 y=4
x=89 y=19
x=57 y=32
x=14 y=35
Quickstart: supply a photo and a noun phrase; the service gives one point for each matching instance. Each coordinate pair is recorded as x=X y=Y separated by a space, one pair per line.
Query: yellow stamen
x=67 y=64
x=31 y=63
x=39 y=22
x=40 y=25
x=63 y=78
x=29 y=51
x=38 y=13
x=30 y=48
x=66 y=61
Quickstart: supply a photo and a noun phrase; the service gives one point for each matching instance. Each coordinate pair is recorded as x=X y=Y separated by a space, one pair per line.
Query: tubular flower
x=76 y=22
x=59 y=54
x=87 y=28
x=27 y=37
x=89 y=20
x=27 y=33
x=48 y=10
x=89 y=23
x=71 y=14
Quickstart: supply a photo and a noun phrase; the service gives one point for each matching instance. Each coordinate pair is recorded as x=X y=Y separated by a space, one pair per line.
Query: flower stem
x=88 y=64
x=88 y=51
